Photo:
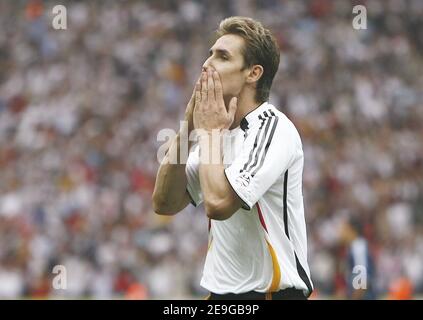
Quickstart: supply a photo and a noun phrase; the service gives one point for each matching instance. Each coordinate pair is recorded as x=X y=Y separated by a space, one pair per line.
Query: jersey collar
x=253 y=114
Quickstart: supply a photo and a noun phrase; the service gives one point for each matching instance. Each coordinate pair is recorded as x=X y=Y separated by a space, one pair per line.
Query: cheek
x=231 y=80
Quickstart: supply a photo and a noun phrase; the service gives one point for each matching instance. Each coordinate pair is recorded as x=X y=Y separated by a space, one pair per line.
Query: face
x=226 y=58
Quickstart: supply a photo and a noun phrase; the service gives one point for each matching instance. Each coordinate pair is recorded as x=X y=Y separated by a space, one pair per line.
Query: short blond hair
x=260 y=48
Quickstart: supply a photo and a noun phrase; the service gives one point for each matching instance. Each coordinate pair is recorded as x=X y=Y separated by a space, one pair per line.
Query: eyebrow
x=221 y=51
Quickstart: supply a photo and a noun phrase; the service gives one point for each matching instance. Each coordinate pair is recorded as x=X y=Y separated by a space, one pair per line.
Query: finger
x=233 y=105
x=218 y=90
x=195 y=85
x=192 y=99
x=197 y=92
x=210 y=86
x=204 y=86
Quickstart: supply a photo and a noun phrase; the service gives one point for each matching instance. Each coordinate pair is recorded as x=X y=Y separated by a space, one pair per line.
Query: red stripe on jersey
x=261 y=217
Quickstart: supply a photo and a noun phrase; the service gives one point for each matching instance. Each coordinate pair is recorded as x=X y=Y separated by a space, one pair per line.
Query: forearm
x=217 y=193
x=171 y=180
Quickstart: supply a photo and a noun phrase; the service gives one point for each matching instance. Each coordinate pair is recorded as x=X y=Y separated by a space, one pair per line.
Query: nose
x=207 y=65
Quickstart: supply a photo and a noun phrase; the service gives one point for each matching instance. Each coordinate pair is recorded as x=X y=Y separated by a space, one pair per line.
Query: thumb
x=233 y=105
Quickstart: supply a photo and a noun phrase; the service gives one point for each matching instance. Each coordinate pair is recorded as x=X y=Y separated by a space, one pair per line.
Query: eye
x=224 y=57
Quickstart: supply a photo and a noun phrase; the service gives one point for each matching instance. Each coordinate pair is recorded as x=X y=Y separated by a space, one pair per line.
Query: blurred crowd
x=80 y=110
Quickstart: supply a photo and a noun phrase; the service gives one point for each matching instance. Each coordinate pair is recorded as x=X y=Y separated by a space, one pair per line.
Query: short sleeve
x=266 y=154
x=193 y=178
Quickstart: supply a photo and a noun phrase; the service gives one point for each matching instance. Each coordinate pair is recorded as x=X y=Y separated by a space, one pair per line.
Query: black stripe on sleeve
x=262 y=142
x=250 y=157
x=269 y=140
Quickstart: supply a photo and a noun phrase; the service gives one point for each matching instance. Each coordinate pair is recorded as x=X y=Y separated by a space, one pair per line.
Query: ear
x=255 y=74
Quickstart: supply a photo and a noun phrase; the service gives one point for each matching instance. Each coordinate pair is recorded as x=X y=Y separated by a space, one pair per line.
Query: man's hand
x=210 y=111
x=190 y=108
x=170 y=195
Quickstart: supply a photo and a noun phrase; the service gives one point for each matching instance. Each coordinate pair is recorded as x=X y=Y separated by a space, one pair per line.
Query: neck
x=245 y=106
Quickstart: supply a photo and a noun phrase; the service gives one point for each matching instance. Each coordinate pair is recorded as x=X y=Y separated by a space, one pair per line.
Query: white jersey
x=263 y=246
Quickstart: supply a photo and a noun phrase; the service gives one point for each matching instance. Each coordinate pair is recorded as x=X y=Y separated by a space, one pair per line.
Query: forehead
x=230 y=42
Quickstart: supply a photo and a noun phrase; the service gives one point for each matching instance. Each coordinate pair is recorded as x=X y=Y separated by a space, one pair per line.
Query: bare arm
x=170 y=195
x=220 y=200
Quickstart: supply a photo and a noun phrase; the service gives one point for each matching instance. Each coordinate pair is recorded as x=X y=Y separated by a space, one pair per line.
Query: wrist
x=207 y=133
x=204 y=133
x=210 y=139
x=210 y=142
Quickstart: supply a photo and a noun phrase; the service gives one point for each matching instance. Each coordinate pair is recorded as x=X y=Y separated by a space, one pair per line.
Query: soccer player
x=253 y=194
